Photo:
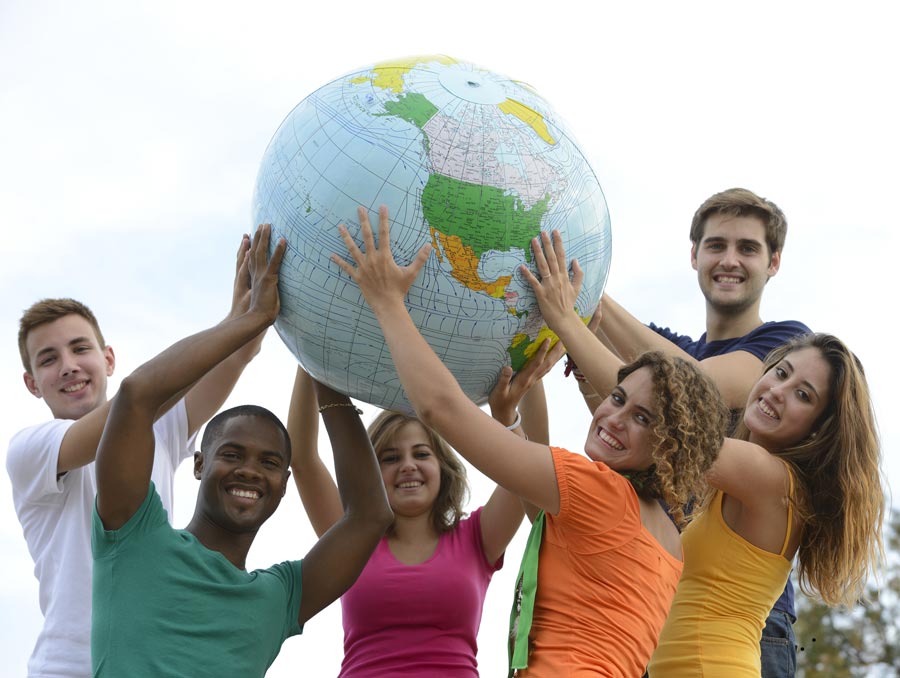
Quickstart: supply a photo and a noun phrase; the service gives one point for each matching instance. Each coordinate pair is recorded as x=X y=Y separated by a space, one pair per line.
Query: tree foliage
x=863 y=641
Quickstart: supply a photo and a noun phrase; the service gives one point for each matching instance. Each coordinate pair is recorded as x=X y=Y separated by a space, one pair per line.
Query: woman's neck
x=413 y=529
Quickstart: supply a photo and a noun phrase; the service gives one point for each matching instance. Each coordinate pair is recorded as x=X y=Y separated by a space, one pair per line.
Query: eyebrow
x=50 y=349
x=741 y=241
x=243 y=448
x=805 y=381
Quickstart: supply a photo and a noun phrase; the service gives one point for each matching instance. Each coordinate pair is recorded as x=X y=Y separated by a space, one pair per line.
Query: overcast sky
x=131 y=132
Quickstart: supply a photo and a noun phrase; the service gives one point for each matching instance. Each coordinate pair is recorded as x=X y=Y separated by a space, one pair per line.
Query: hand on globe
x=263 y=271
x=510 y=389
x=380 y=279
x=240 y=297
x=555 y=293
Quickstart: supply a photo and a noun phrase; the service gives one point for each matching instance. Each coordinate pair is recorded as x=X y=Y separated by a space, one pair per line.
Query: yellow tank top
x=725 y=594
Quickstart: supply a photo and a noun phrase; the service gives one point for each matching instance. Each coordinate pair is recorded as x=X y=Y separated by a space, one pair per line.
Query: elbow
x=438 y=413
x=136 y=392
x=375 y=518
x=385 y=518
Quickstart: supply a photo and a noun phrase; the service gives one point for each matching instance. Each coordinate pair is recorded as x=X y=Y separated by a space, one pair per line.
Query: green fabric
x=522 y=613
x=165 y=605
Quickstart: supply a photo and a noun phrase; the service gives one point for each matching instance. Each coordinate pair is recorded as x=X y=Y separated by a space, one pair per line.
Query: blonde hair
x=688 y=431
x=840 y=493
x=454 y=491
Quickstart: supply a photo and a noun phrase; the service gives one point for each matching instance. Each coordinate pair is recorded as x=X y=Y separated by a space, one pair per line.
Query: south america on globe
x=468 y=160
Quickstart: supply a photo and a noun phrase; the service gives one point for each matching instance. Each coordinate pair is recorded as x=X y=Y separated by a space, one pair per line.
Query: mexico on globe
x=473 y=162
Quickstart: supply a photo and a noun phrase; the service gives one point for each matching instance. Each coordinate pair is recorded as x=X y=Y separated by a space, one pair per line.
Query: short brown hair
x=46 y=311
x=448 y=505
x=739 y=202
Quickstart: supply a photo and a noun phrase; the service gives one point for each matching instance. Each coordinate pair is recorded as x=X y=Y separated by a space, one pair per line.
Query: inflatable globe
x=470 y=161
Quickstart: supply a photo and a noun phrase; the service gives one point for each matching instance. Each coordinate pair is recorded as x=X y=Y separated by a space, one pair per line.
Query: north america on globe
x=468 y=160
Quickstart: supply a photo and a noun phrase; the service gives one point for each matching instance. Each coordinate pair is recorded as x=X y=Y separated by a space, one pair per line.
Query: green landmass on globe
x=466 y=159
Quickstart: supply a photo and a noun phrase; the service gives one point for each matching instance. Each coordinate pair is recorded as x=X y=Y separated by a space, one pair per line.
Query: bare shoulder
x=749 y=473
x=661 y=527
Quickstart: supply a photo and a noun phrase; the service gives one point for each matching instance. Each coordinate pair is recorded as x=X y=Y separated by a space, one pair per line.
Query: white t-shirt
x=55 y=514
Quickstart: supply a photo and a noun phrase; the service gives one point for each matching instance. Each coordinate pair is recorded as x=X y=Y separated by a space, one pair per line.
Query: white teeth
x=766 y=410
x=75 y=387
x=409 y=484
x=246 y=494
x=727 y=279
x=609 y=440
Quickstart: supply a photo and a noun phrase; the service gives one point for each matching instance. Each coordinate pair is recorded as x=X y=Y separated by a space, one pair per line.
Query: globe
x=468 y=160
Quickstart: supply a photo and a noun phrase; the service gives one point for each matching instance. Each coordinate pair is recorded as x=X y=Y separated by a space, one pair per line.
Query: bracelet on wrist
x=572 y=368
x=517 y=423
x=329 y=406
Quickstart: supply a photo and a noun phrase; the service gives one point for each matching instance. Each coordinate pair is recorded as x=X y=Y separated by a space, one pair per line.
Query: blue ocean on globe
x=474 y=163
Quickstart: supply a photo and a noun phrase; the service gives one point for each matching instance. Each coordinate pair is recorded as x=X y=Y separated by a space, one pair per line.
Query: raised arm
x=317 y=490
x=556 y=295
x=503 y=512
x=522 y=467
x=336 y=560
x=125 y=452
x=734 y=373
x=521 y=398
x=592 y=397
x=750 y=474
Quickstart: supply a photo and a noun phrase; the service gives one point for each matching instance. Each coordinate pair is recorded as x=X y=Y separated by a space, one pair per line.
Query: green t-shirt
x=165 y=605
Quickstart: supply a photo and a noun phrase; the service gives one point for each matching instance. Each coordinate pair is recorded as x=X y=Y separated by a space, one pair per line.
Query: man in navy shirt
x=736 y=242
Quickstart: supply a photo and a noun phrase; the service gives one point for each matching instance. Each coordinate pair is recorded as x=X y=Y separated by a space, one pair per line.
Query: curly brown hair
x=447 y=510
x=689 y=428
x=840 y=490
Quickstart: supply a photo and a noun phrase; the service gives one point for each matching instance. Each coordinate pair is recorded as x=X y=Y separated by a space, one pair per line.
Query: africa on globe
x=473 y=162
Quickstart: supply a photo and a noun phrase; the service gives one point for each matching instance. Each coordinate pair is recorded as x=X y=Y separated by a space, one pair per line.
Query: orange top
x=605 y=584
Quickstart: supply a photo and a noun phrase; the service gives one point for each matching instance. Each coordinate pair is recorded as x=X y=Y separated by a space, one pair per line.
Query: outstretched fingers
x=577 y=276
x=375 y=271
x=365 y=228
x=264 y=271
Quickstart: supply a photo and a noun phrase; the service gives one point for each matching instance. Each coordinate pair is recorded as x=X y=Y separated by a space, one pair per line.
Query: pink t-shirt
x=419 y=620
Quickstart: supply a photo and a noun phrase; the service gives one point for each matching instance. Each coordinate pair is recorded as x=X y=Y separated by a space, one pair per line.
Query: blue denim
x=778 y=647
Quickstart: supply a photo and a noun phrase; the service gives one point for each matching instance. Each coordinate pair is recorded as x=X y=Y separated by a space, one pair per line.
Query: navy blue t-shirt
x=759 y=342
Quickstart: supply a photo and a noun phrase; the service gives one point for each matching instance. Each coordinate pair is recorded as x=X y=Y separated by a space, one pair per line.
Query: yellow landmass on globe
x=544 y=333
x=464 y=265
x=389 y=74
x=530 y=117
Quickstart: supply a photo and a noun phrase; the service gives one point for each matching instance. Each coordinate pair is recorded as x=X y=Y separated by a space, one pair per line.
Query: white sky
x=130 y=135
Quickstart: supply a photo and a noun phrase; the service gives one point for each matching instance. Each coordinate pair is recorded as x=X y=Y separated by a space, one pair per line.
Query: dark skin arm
x=203 y=399
x=334 y=563
x=125 y=452
x=318 y=492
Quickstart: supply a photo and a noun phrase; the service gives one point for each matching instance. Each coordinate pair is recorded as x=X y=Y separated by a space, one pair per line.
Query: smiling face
x=243 y=474
x=621 y=431
x=733 y=262
x=69 y=367
x=788 y=400
x=410 y=470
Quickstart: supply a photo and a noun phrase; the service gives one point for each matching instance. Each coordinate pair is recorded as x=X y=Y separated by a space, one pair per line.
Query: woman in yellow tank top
x=801 y=478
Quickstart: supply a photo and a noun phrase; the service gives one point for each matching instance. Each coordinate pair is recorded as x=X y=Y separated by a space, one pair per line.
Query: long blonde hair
x=840 y=493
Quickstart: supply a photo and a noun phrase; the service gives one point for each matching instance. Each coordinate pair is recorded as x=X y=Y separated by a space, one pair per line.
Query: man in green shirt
x=179 y=602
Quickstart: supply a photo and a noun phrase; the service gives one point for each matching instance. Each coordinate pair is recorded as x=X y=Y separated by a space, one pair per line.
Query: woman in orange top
x=610 y=557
